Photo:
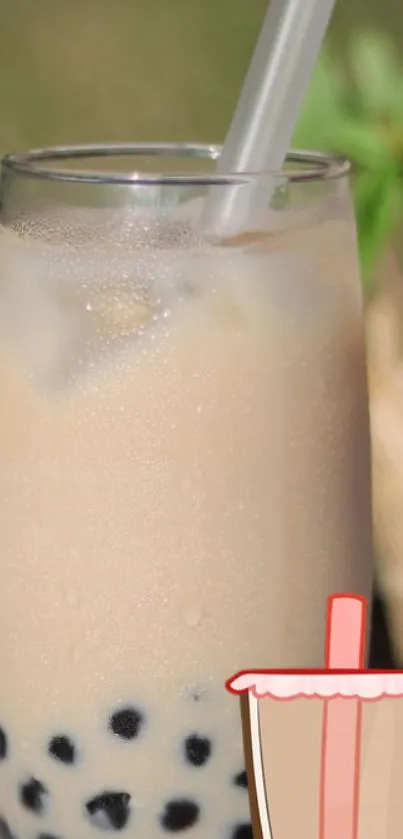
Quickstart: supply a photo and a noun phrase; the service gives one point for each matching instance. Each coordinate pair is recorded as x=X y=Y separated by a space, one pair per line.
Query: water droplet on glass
x=74 y=655
x=186 y=483
x=71 y=597
x=193 y=613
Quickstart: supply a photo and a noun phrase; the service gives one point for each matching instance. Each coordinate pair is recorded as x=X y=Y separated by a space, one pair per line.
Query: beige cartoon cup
x=324 y=748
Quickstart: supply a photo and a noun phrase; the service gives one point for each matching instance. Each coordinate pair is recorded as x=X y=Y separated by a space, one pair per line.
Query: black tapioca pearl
x=127 y=723
x=242 y=831
x=241 y=780
x=63 y=749
x=3 y=744
x=109 y=810
x=48 y=836
x=33 y=795
x=180 y=814
x=5 y=832
x=197 y=749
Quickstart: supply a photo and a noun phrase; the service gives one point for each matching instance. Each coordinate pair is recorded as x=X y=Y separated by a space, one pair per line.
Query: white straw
x=267 y=111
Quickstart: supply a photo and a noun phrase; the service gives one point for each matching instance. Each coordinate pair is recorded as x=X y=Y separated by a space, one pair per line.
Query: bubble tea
x=184 y=480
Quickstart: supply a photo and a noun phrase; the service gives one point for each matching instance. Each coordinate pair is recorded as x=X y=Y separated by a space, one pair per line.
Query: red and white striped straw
x=342 y=719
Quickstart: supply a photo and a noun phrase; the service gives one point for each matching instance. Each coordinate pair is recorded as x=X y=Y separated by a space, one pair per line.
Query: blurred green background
x=94 y=70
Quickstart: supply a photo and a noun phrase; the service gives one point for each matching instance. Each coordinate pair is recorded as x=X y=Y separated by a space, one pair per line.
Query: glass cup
x=184 y=459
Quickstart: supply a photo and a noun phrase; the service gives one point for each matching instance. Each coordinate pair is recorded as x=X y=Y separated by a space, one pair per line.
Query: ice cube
x=36 y=325
x=120 y=311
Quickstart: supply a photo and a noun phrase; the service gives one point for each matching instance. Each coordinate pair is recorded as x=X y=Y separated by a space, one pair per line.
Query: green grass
x=92 y=70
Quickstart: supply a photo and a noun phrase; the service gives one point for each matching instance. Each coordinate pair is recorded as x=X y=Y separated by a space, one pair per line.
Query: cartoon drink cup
x=326 y=746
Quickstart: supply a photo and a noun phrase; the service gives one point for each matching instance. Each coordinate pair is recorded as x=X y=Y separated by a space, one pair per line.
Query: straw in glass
x=267 y=112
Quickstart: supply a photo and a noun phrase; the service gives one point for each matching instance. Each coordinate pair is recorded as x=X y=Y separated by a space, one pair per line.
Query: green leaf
x=378 y=204
x=375 y=70
x=322 y=108
x=363 y=144
x=396 y=104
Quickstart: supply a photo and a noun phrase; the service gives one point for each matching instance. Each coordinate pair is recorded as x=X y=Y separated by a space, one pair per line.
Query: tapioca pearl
x=127 y=723
x=109 y=810
x=63 y=749
x=47 y=836
x=5 y=832
x=3 y=744
x=241 y=780
x=242 y=831
x=180 y=814
x=33 y=795
x=197 y=749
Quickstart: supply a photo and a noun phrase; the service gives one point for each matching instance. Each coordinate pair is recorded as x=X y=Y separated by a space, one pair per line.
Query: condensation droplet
x=186 y=483
x=72 y=598
x=192 y=614
x=74 y=655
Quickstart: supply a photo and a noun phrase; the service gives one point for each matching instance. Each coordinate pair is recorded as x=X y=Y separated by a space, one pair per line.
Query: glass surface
x=184 y=462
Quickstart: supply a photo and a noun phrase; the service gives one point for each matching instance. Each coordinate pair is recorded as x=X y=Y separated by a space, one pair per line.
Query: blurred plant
x=358 y=113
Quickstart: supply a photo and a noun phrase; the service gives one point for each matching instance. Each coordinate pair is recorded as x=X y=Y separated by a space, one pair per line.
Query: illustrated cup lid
x=320 y=684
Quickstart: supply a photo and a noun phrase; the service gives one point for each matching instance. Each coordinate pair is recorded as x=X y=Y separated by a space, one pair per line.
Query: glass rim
x=320 y=166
